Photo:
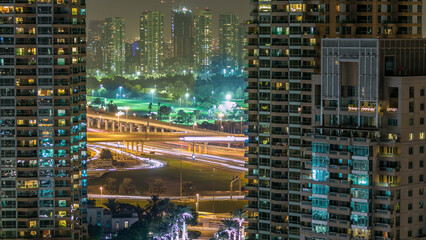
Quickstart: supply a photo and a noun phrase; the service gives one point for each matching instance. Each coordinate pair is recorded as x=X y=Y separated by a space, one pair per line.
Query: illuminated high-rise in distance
x=203 y=44
x=43 y=119
x=114 y=46
x=230 y=44
x=183 y=36
x=152 y=40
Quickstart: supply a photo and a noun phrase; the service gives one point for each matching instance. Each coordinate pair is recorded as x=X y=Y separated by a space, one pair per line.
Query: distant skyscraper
x=94 y=45
x=113 y=42
x=203 y=42
x=152 y=38
x=182 y=36
x=43 y=181
x=229 y=41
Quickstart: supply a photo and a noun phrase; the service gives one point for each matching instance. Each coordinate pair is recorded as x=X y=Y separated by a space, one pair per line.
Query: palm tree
x=112 y=205
x=239 y=215
x=182 y=215
x=161 y=231
x=229 y=226
x=152 y=206
x=165 y=206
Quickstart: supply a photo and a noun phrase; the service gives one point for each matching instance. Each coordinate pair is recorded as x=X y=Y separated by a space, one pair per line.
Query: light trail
x=206 y=159
x=202 y=198
x=149 y=163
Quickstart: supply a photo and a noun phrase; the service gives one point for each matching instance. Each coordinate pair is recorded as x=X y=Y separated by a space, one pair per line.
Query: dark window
x=411 y=92
x=422 y=121
x=422 y=92
x=411 y=107
x=410 y=206
x=410 y=165
x=411 y=123
x=421 y=149
x=410 y=220
x=409 y=233
x=421 y=178
x=421 y=218
x=410 y=193
x=410 y=179
x=410 y=150
x=422 y=107
x=421 y=163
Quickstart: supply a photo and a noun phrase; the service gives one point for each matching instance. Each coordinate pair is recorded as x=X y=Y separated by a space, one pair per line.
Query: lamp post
x=101 y=196
x=152 y=95
x=221 y=115
x=180 y=102
x=186 y=101
x=120 y=90
x=194 y=102
x=118 y=116
x=127 y=109
x=241 y=125
x=170 y=118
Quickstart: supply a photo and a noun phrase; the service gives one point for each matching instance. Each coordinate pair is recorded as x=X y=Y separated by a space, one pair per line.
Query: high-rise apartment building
x=114 y=45
x=283 y=59
x=183 y=36
x=203 y=41
x=230 y=44
x=43 y=119
x=94 y=45
x=152 y=40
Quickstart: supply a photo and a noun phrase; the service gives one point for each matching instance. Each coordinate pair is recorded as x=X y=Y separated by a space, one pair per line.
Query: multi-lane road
x=177 y=151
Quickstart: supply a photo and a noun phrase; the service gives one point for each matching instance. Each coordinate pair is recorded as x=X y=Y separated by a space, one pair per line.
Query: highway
x=146 y=163
x=174 y=151
x=202 y=198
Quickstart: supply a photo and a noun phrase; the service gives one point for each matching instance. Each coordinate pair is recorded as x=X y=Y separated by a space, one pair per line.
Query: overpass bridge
x=134 y=131
x=117 y=123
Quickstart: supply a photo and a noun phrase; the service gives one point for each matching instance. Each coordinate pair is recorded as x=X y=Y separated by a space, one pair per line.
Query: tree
x=157 y=187
x=197 y=114
x=164 y=111
x=106 y=154
x=181 y=116
x=150 y=107
x=95 y=232
x=97 y=101
x=239 y=215
x=188 y=189
x=180 y=217
x=152 y=207
x=111 y=107
x=111 y=185
x=138 y=231
x=161 y=231
x=112 y=205
x=127 y=186
x=229 y=226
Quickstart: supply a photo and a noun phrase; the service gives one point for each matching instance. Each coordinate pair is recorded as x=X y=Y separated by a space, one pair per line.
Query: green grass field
x=202 y=177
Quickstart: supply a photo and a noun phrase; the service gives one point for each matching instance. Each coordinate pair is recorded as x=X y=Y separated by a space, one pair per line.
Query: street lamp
x=116 y=96
x=120 y=90
x=170 y=121
x=212 y=93
x=186 y=102
x=152 y=95
x=228 y=97
x=101 y=195
x=221 y=115
x=193 y=126
x=241 y=125
x=194 y=102
x=118 y=116
x=127 y=109
x=180 y=102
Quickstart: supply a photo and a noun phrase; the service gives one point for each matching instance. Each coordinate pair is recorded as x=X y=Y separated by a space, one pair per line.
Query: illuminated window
x=296 y=8
x=61 y=122
x=422 y=135
x=74 y=50
x=45 y=92
x=62 y=213
x=74 y=11
x=33 y=224
x=62 y=203
x=61 y=51
x=61 y=61
x=6 y=9
x=62 y=223
x=264 y=7
x=19 y=10
x=74 y=60
x=33 y=233
x=410 y=137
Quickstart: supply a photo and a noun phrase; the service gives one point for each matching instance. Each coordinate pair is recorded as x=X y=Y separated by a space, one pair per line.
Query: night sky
x=131 y=9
